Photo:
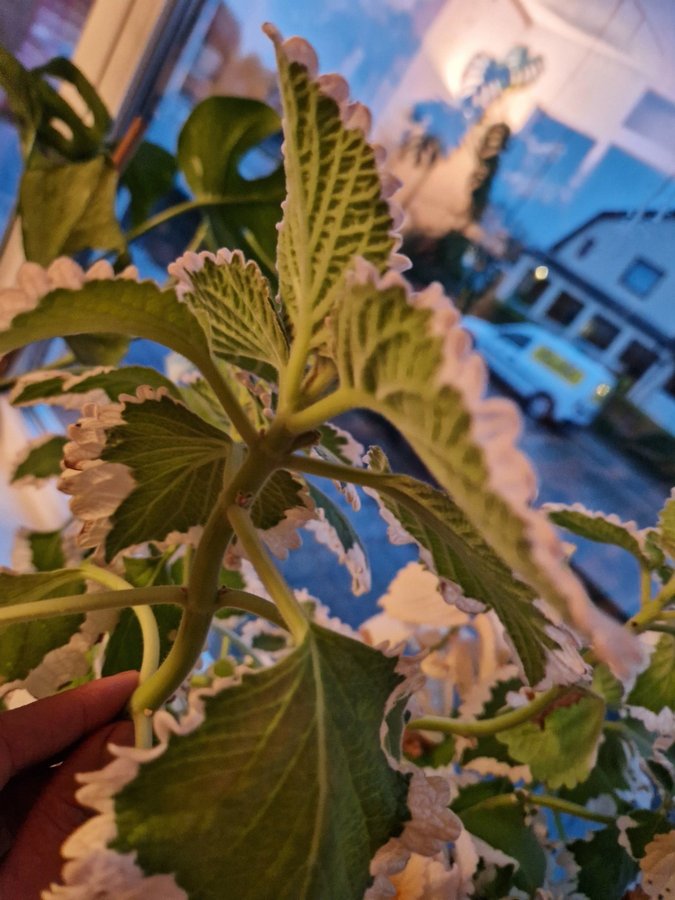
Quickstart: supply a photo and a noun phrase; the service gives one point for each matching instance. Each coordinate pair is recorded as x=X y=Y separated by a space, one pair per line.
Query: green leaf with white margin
x=334 y=530
x=297 y=744
x=42 y=459
x=154 y=471
x=24 y=644
x=231 y=298
x=667 y=525
x=502 y=825
x=405 y=356
x=72 y=391
x=654 y=688
x=599 y=527
x=336 y=207
x=561 y=745
x=40 y=551
x=63 y=300
x=456 y=552
x=281 y=508
x=68 y=207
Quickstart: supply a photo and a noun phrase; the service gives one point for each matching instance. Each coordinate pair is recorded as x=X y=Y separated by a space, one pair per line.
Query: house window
x=585 y=247
x=599 y=331
x=564 y=309
x=636 y=359
x=669 y=386
x=532 y=286
x=641 y=277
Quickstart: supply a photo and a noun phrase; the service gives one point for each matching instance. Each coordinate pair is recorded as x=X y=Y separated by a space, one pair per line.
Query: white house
x=610 y=284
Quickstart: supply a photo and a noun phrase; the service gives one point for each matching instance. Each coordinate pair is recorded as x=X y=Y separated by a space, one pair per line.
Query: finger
x=35 y=861
x=39 y=730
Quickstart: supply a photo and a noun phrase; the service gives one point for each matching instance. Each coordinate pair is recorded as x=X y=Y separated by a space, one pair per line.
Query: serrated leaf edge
x=495 y=427
x=33 y=282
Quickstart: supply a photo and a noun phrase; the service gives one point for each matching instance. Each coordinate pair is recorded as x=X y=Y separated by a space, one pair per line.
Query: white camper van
x=555 y=379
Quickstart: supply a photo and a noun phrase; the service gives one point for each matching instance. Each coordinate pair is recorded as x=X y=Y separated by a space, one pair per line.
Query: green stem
x=83 y=603
x=645 y=585
x=228 y=400
x=486 y=727
x=311 y=417
x=237 y=642
x=336 y=471
x=151 y=647
x=654 y=609
x=557 y=804
x=270 y=576
x=250 y=603
x=203 y=598
x=186 y=650
x=188 y=206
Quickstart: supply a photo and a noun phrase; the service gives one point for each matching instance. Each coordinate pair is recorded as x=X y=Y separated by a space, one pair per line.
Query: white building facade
x=610 y=285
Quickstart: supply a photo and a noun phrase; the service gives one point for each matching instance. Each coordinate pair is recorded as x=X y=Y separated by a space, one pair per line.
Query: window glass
x=636 y=359
x=520 y=340
x=33 y=32
x=599 y=331
x=641 y=277
x=585 y=247
x=531 y=287
x=564 y=309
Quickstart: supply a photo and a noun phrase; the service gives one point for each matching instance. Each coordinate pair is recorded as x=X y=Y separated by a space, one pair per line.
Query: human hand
x=38 y=809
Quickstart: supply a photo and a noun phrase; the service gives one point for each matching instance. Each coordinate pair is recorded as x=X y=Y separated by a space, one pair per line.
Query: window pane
x=531 y=288
x=636 y=359
x=564 y=309
x=599 y=331
x=520 y=340
x=641 y=277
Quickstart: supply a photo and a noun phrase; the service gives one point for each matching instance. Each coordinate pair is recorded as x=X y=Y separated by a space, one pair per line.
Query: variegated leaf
x=406 y=358
x=142 y=470
x=454 y=549
x=336 y=206
x=599 y=527
x=232 y=300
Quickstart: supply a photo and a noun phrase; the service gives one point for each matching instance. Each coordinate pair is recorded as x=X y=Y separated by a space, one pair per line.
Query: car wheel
x=539 y=407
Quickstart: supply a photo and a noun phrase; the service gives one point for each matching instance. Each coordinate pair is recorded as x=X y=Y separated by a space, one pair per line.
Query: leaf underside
x=284 y=790
x=334 y=210
x=459 y=554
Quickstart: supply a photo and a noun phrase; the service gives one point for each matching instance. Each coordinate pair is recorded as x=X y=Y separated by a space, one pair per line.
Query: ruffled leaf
x=119 y=307
x=599 y=527
x=72 y=391
x=232 y=300
x=654 y=688
x=335 y=209
x=334 y=530
x=561 y=747
x=297 y=744
x=158 y=471
x=42 y=460
x=406 y=358
x=280 y=509
x=24 y=644
x=502 y=825
x=658 y=866
x=457 y=553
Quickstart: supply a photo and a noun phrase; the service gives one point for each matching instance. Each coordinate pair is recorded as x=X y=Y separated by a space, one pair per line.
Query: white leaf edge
x=496 y=424
x=65 y=399
x=630 y=527
x=31 y=480
x=353 y=559
x=33 y=282
x=353 y=115
x=98 y=487
x=90 y=861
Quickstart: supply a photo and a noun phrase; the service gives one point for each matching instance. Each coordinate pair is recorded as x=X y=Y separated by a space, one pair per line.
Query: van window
x=517 y=338
x=557 y=364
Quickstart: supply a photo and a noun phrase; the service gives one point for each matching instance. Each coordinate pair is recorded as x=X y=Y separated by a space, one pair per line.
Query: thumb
x=34 y=860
